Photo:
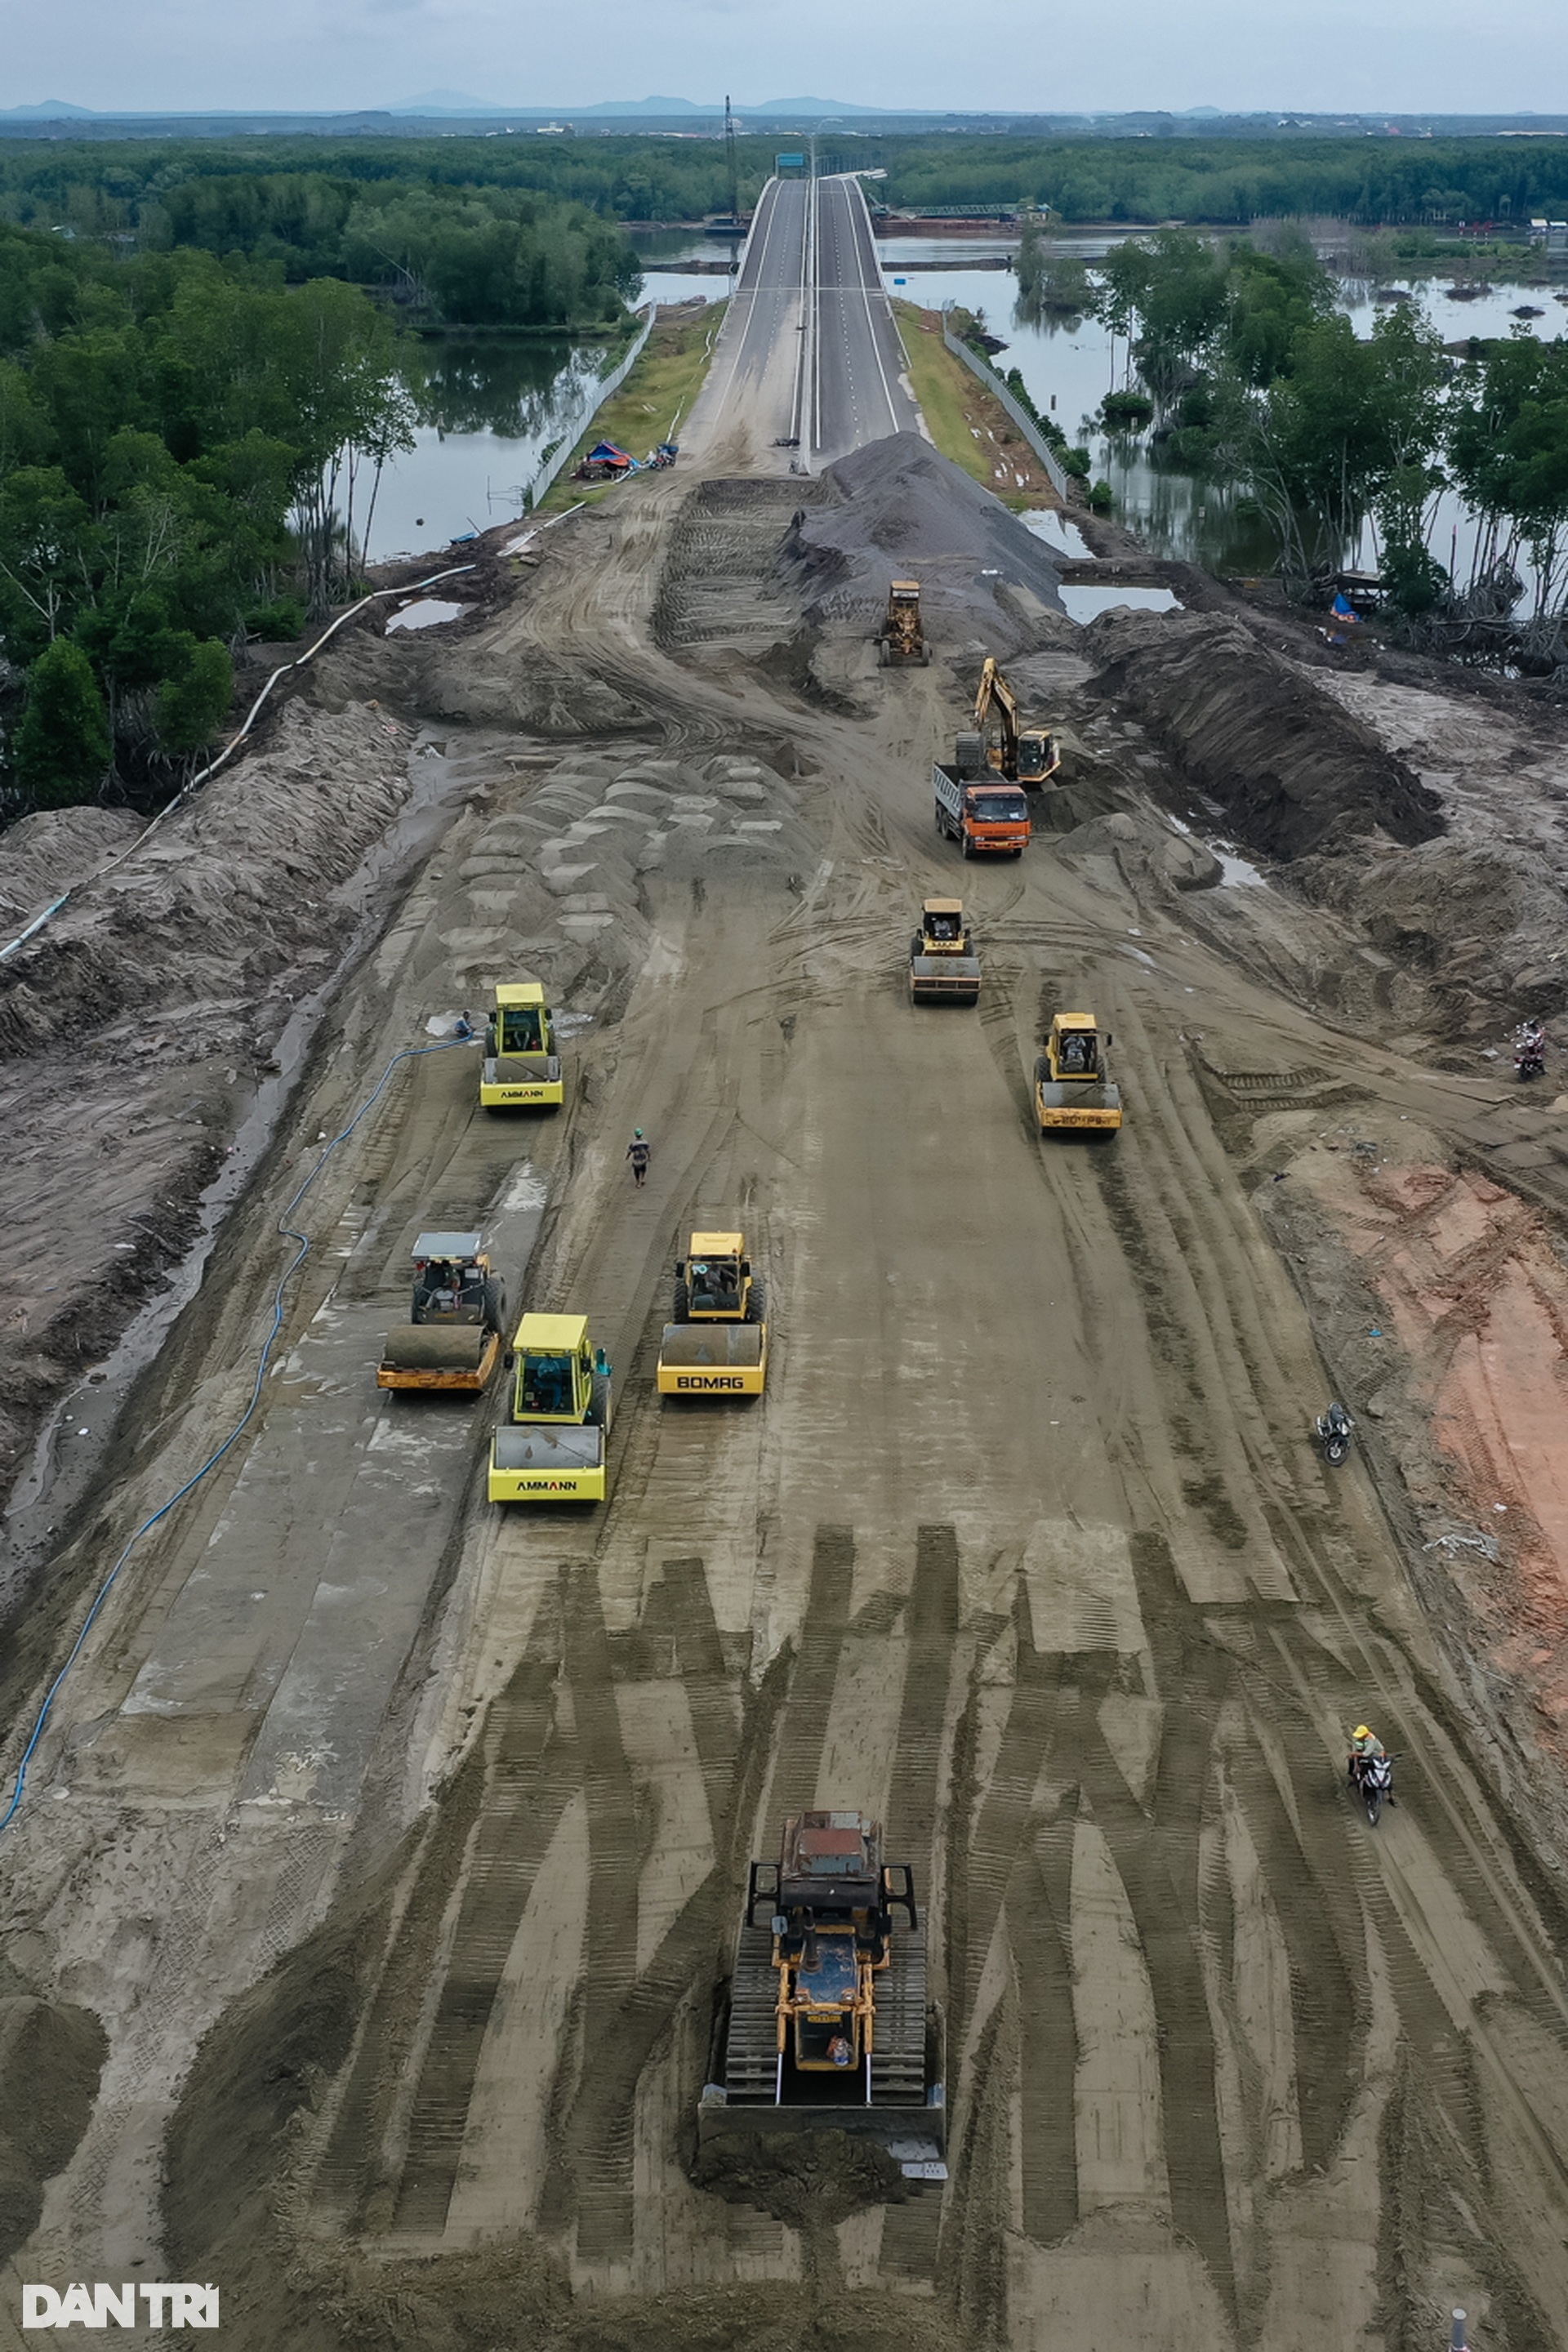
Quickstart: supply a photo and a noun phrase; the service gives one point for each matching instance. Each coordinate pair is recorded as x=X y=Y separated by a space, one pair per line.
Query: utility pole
x=1458 y=2340
x=732 y=162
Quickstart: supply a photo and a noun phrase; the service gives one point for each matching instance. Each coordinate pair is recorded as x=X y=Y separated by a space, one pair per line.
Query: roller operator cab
x=521 y=1070
x=452 y=1339
x=943 y=966
x=1073 y=1090
x=716 y=1346
x=551 y=1447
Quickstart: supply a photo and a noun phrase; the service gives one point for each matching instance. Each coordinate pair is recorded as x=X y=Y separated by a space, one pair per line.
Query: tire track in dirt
x=1039 y=1915
x=804 y=1729
x=533 y=1774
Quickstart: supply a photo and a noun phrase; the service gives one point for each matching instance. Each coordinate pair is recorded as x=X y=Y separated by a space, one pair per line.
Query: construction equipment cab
x=521 y=1070
x=452 y=1336
x=987 y=817
x=943 y=966
x=1020 y=755
x=902 y=640
x=551 y=1447
x=1072 y=1086
x=827 y=2019
x=717 y=1343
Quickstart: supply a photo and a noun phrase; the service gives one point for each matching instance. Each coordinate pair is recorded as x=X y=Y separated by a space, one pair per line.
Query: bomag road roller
x=551 y=1446
x=521 y=1070
x=717 y=1345
x=1073 y=1091
x=828 y=2027
x=943 y=966
x=452 y=1336
x=902 y=641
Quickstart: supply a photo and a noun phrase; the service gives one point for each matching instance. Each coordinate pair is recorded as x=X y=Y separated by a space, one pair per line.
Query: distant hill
x=51 y=106
x=452 y=101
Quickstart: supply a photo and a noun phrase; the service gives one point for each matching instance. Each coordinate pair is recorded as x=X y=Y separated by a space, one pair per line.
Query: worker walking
x=638 y=1153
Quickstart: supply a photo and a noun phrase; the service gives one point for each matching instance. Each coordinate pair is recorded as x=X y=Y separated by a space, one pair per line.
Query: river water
x=1068 y=367
x=491 y=408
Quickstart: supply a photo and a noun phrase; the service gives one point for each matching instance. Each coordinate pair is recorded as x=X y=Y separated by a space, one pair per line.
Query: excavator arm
x=994 y=693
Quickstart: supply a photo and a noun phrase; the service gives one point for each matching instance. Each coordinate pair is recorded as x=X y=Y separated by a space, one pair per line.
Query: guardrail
x=1020 y=414
x=607 y=390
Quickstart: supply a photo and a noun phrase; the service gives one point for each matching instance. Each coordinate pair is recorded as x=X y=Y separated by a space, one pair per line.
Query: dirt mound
x=1292 y=770
x=51 y=2056
x=898 y=505
x=1480 y=928
x=804 y=2180
x=225 y=894
x=51 y=852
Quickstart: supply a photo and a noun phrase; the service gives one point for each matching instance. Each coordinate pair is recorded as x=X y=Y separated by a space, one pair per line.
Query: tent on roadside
x=604 y=463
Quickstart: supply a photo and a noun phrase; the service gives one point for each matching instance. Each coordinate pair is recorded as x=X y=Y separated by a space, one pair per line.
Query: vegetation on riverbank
x=965 y=421
x=186 y=451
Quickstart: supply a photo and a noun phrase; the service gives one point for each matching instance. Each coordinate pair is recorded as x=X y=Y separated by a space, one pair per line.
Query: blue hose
x=289 y=1232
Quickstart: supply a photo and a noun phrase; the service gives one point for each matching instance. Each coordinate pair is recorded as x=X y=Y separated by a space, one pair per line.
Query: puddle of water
x=1057 y=531
x=429 y=613
x=526 y=1190
x=1086 y=604
x=1235 y=873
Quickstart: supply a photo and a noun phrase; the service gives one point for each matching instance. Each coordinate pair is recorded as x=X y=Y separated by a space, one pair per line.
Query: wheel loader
x=943 y=966
x=551 y=1447
x=828 y=2027
x=1073 y=1090
x=902 y=641
x=521 y=1070
x=717 y=1343
x=452 y=1336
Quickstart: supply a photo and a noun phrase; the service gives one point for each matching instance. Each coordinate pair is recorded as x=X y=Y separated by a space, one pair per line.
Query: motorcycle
x=1529 y=1051
x=1334 y=1430
x=1374 y=1778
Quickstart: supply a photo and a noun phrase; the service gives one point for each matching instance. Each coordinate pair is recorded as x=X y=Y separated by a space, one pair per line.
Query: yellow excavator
x=943 y=966
x=902 y=641
x=1020 y=755
x=717 y=1345
x=521 y=1070
x=1072 y=1088
x=551 y=1446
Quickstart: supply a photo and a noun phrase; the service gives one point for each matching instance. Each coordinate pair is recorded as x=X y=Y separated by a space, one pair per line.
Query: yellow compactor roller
x=521 y=1070
x=1073 y=1090
x=943 y=966
x=551 y=1447
x=716 y=1346
x=452 y=1336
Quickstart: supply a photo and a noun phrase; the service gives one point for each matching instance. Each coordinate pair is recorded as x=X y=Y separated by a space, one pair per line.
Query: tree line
x=182 y=443
x=1251 y=371
x=150 y=188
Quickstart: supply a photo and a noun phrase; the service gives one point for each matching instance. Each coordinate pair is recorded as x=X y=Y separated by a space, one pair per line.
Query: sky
x=1359 y=56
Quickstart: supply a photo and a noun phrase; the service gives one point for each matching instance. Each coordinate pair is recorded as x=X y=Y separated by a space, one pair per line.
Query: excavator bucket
x=458 y=1356
x=713 y=1360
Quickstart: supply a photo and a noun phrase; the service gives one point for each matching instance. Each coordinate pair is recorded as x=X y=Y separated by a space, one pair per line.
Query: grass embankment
x=965 y=421
x=661 y=389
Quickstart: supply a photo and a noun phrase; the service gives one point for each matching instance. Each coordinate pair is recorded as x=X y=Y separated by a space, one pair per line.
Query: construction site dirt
x=368 y=1913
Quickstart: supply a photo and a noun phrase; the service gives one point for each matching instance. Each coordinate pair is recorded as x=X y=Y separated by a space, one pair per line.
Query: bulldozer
x=1019 y=754
x=521 y=1070
x=717 y=1344
x=452 y=1336
x=551 y=1447
x=827 y=2029
x=1072 y=1088
x=943 y=966
x=902 y=640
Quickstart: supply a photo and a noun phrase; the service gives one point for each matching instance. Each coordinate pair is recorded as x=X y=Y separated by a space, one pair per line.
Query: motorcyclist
x=1365 y=1746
